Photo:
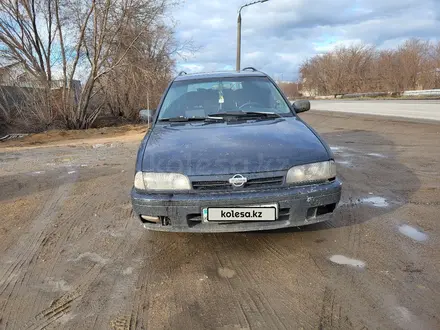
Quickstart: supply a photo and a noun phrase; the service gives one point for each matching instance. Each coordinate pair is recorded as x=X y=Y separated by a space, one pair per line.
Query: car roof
x=221 y=74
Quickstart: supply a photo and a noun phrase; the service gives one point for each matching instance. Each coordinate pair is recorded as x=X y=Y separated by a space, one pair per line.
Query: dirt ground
x=72 y=256
x=57 y=138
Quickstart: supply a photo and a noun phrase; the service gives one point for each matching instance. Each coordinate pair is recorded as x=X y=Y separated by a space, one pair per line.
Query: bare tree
x=414 y=65
x=436 y=61
x=27 y=35
x=290 y=89
x=81 y=39
x=146 y=68
x=360 y=68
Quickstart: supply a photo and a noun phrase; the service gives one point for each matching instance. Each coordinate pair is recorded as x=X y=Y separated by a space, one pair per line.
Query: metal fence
x=427 y=93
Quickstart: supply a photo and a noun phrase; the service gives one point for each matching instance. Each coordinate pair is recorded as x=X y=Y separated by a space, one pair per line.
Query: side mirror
x=146 y=115
x=301 y=105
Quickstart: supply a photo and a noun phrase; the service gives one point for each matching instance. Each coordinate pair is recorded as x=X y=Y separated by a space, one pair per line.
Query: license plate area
x=266 y=212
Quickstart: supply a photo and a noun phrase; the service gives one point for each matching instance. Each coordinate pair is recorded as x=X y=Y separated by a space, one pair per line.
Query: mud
x=72 y=256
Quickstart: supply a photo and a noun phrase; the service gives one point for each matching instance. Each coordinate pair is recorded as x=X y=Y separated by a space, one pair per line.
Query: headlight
x=161 y=181
x=311 y=172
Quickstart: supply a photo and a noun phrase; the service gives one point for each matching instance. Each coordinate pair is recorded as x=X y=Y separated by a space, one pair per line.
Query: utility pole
x=238 y=62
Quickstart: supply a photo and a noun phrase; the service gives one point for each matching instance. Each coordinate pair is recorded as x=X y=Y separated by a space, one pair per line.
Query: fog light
x=150 y=218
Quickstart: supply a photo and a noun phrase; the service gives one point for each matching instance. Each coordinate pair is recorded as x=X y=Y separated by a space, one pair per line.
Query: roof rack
x=250 y=68
x=181 y=73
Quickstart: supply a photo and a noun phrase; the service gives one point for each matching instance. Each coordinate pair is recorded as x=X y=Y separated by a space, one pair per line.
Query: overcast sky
x=279 y=35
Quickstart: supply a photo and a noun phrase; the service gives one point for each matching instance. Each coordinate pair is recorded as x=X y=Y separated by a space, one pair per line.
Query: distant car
x=226 y=152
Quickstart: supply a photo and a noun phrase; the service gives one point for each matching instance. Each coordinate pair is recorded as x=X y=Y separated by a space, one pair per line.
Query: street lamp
x=239 y=31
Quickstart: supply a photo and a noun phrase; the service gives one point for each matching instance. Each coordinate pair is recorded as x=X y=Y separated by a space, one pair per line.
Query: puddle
x=338 y=149
x=349 y=202
x=413 y=233
x=376 y=201
x=342 y=260
x=345 y=163
x=373 y=200
x=377 y=155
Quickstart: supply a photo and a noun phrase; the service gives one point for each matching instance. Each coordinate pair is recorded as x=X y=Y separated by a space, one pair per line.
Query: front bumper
x=298 y=206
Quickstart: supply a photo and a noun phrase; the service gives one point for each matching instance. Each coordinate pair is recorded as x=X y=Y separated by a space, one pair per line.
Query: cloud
x=277 y=36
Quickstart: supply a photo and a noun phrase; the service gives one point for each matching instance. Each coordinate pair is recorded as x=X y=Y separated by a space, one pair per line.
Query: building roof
x=221 y=74
x=7 y=66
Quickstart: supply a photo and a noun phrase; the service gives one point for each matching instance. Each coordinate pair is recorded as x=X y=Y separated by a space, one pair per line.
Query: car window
x=203 y=97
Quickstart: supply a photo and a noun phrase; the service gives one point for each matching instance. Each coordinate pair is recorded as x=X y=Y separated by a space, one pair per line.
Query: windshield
x=204 y=97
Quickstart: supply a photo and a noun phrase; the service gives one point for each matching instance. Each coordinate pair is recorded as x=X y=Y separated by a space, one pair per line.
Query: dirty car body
x=227 y=152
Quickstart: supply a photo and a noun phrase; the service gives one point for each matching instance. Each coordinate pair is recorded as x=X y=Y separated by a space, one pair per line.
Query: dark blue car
x=227 y=152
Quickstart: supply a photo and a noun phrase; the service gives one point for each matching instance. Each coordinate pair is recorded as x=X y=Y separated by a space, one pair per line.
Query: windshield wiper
x=265 y=114
x=187 y=119
x=182 y=119
x=238 y=114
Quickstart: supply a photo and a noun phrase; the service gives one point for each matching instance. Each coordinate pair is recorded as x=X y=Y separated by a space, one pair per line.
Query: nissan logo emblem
x=238 y=180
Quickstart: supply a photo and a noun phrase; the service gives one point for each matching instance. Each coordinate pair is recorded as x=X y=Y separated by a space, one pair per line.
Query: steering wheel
x=252 y=104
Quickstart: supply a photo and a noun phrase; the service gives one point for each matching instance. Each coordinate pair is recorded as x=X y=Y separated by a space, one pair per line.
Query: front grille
x=224 y=185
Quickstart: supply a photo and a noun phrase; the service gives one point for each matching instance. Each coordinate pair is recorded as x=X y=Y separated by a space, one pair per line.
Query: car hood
x=230 y=148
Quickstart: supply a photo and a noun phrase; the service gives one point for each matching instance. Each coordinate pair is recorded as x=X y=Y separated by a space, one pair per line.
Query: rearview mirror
x=146 y=115
x=301 y=105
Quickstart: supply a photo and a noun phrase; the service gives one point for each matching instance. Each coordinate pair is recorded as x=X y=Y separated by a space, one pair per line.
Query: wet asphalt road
x=73 y=257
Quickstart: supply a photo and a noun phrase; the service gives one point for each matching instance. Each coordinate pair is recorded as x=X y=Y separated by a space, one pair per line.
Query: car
x=227 y=152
